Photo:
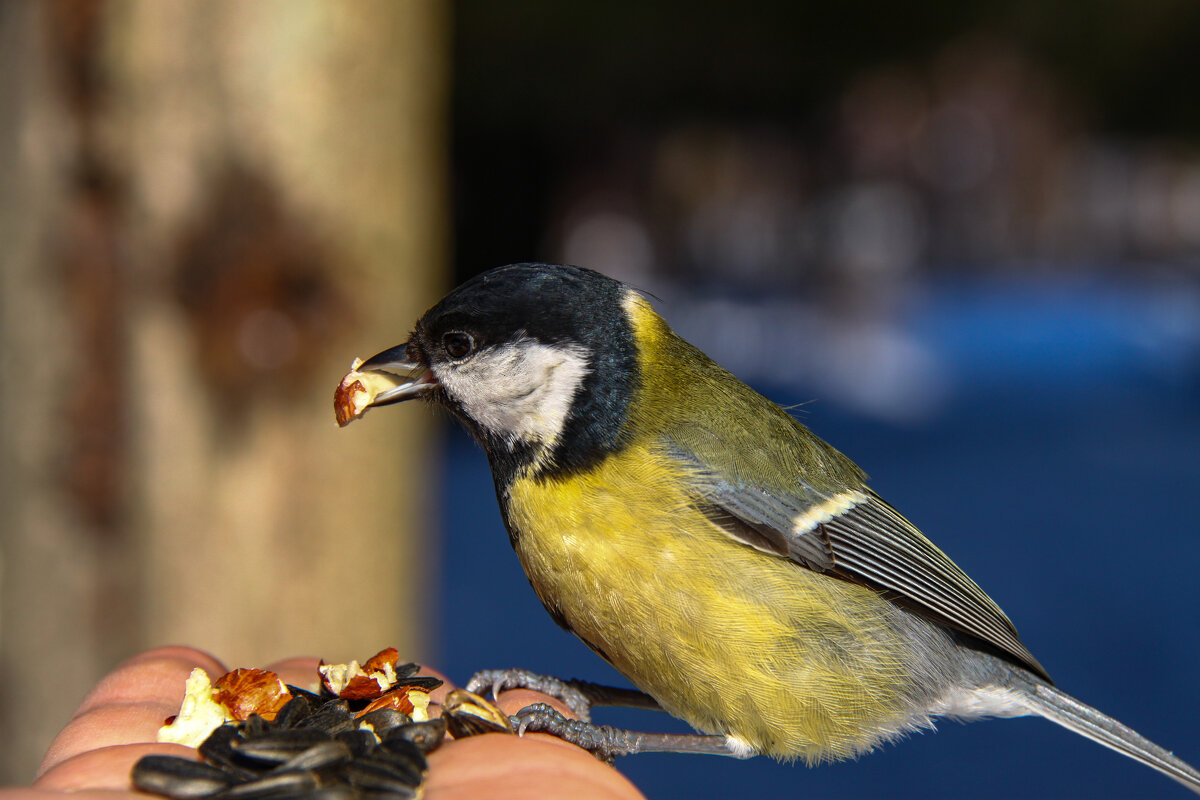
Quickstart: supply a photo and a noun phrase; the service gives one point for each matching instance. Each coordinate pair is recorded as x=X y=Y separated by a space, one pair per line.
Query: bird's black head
x=537 y=360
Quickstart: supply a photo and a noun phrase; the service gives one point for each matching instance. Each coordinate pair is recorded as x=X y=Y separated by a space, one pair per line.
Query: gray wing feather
x=874 y=542
x=870 y=543
x=769 y=516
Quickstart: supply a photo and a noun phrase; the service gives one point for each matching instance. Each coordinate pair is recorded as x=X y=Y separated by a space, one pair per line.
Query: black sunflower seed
x=276 y=747
x=359 y=741
x=254 y=726
x=383 y=719
x=321 y=756
x=369 y=774
x=461 y=725
x=275 y=785
x=179 y=777
x=425 y=735
x=339 y=791
x=294 y=712
x=296 y=691
x=218 y=749
x=404 y=670
x=426 y=682
x=403 y=752
x=332 y=722
x=332 y=703
x=468 y=714
x=406 y=793
x=408 y=760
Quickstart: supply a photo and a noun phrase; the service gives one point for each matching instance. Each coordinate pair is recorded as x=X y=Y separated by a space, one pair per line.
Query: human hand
x=118 y=721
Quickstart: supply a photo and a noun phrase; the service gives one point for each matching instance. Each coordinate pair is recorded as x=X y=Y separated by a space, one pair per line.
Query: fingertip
x=504 y=766
x=171 y=653
x=298 y=671
x=155 y=675
x=108 y=725
x=131 y=703
x=106 y=768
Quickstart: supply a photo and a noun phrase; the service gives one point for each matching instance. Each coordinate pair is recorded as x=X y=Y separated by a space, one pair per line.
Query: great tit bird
x=733 y=566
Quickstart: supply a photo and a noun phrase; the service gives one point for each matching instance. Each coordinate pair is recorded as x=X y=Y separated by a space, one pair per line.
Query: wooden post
x=216 y=206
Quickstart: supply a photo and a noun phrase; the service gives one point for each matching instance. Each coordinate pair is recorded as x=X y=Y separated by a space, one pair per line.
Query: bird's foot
x=498 y=680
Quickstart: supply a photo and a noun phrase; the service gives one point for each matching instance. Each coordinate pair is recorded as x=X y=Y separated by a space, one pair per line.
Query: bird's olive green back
x=770 y=482
x=728 y=426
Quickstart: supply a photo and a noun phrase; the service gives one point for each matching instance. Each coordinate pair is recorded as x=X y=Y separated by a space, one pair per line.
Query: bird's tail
x=1059 y=707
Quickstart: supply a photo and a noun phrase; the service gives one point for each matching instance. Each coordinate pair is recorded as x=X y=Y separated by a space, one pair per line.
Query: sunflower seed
x=275 y=785
x=312 y=697
x=254 y=726
x=468 y=714
x=332 y=720
x=360 y=742
x=403 y=752
x=426 y=682
x=371 y=775
x=179 y=777
x=339 y=791
x=293 y=713
x=323 y=755
x=279 y=746
x=425 y=735
x=410 y=761
x=383 y=719
x=218 y=749
x=405 y=670
x=404 y=793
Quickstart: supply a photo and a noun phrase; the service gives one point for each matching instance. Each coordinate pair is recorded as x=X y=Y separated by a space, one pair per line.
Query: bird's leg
x=602 y=741
x=579 y=696
x=606 y=742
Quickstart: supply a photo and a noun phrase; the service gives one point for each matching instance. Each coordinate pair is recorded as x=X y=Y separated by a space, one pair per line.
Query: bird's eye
x=458 y=344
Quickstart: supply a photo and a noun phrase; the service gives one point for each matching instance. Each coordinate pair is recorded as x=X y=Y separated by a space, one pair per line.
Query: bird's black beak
x=416 y=379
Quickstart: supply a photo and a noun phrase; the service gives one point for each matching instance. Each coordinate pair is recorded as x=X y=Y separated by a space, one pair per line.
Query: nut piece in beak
x=393 y=383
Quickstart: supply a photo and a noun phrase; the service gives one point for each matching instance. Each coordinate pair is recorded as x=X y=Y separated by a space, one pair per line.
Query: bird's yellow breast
x=734 y=641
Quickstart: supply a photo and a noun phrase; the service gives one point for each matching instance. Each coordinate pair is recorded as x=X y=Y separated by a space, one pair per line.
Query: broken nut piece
x=199 y=714
x=353 y=682
x=468 y=714
x=358 y=390
x=235 y=696
x=251 y=691
x=405 y=699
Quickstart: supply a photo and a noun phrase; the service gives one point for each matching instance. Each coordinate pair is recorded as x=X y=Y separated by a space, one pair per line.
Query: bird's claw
x=602 y=741
x=498 y=680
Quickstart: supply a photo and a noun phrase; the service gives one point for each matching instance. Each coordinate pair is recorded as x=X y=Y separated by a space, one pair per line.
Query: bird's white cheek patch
x=521 y=391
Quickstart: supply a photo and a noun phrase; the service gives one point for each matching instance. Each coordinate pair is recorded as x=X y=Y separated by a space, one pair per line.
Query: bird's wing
x=854 y=535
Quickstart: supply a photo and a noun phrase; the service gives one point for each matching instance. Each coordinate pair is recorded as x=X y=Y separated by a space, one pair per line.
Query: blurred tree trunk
x=209 y=208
